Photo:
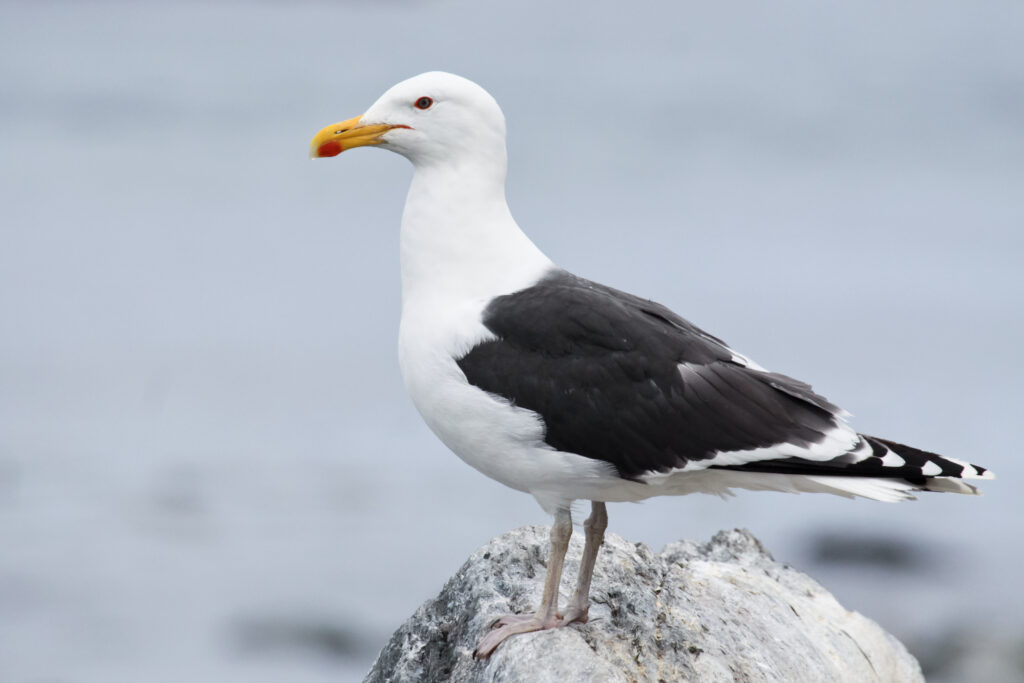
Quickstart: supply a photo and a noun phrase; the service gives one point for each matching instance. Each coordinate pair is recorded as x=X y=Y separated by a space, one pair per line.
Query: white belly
x=500 y=440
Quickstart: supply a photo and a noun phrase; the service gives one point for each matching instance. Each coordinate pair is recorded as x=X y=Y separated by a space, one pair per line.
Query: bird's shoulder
x=564 y=314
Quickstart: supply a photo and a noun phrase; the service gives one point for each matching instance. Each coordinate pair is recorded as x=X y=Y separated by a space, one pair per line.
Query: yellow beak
x=334 y=139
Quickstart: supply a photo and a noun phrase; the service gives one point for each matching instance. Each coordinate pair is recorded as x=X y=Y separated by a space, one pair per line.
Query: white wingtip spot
x=930 y=469
x=893 y=459
x=971 y=472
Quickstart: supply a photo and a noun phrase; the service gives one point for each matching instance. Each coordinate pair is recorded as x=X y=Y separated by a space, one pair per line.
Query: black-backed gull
x=568 y=389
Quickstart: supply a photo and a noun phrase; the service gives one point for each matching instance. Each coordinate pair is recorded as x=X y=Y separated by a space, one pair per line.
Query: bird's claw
x=512 y=624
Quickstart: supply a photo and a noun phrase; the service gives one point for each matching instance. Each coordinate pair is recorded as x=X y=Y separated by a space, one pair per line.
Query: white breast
x=500 y=440
x=480 y=429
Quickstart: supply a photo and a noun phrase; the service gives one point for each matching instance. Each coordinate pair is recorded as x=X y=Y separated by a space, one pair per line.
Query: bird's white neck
x=459 y=241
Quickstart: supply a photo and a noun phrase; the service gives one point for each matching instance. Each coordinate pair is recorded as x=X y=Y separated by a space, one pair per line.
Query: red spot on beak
x=329 y=149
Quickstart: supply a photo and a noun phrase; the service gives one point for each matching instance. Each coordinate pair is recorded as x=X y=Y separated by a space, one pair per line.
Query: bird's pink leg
x=547 y=614
x=594 y=527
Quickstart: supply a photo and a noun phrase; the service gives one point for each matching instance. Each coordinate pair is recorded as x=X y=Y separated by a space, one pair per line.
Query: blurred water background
x=209 y=470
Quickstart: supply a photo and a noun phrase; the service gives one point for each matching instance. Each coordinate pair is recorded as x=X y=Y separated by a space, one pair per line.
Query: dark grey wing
x=627 y=381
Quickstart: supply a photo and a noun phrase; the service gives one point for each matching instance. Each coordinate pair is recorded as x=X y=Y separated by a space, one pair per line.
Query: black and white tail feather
x=877 y=468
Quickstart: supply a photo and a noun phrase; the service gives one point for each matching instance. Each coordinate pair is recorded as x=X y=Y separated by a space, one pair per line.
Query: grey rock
x=721 y=611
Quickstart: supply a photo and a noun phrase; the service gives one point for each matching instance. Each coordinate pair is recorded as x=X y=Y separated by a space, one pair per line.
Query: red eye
x=424 y=103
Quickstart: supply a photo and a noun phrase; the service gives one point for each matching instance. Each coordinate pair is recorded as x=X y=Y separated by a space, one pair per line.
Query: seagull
x=570 y=390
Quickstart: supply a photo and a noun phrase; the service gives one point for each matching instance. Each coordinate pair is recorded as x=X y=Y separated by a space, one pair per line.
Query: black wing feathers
x=629 y=382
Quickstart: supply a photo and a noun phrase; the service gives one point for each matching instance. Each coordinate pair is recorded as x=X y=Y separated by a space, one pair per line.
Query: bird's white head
x=431 y=118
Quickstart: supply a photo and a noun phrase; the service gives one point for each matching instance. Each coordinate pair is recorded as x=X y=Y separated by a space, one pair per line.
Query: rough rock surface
x=721 y=611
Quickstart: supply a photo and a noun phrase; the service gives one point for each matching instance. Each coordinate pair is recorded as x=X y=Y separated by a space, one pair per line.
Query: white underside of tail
x=721 y=483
